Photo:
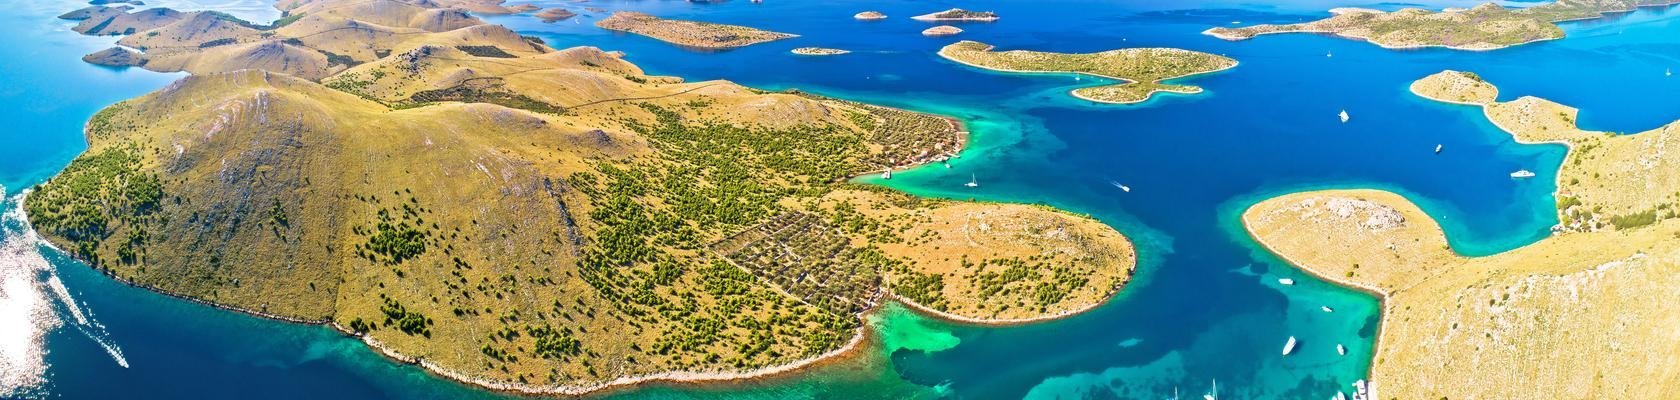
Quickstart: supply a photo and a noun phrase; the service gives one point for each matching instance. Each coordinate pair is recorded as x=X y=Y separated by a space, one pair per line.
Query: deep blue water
x=1205 y=305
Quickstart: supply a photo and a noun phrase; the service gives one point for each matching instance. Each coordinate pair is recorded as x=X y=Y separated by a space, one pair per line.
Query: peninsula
x=1142 y=69
x=539 y=220
x=1484 y=27
x=703 y=35
x=958 y=14
x=1605 y=274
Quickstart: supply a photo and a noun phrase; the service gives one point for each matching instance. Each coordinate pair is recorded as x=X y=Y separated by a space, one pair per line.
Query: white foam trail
x=25 y=312
x=64 y=295
x=85 y=322
x=26 y=309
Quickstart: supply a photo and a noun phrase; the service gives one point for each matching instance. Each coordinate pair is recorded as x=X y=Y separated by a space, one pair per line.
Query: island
x=942 y=30
x=870 y=16
x=537 y=220
x=958 y=14
x=1141 y=69
x=701 y=35
x=1484 y=27
x=312 y=40
x=1607 y=273
x=553 y=15
x=819 y=51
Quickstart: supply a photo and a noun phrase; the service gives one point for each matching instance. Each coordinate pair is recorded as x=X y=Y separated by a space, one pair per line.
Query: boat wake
x=28 y=286
x=85 y=321
x=25 y=312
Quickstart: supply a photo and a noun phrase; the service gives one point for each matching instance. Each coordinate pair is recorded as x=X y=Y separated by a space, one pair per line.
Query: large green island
x=1142 y=69
x=1484 y=27
x=1595 y=296
x=531 y=219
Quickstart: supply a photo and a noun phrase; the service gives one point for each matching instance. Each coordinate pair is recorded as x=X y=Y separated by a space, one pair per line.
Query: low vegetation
x=1142 y=69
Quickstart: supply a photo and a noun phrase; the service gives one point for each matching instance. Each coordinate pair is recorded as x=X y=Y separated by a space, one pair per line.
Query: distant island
x=555 y=14
x=958 y=14
x=1143 y=69
x=942 y=30
x=536 y=220
x=819 y=51
x=1606 y=274
x=1484 y=27
x=702 y=35
x=870 y=16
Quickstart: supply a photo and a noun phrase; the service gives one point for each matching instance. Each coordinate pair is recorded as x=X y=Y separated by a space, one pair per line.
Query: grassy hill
x=543 y=220
x=1581 y=314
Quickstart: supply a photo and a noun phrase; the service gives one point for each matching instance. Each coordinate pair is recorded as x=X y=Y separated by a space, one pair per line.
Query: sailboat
x=1522 y=173
x=1340 y=349
x=888 y=174
x=1344 y=116
x=1437 y=149
x=1286 y=281
x=1215 y=394
x=1326 y=308
x=1289 y=347
x=1329 y=54
x=972 y=182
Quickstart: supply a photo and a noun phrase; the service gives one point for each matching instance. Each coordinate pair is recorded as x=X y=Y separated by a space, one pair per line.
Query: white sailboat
x=1522 y=173
x=1437 y=149
x=1340 y=349
x=1289 y=347
x=1326 y=308
x=972 y=182
x=1215 y=394
x=1286 y=281
x=1344 y=116
x=1329 y=54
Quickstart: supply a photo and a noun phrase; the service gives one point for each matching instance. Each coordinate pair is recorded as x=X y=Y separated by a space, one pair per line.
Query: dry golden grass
x=1583 y=314
x=1143 y=69
x=704 y=35
x=472 y=200
x=1075 y=263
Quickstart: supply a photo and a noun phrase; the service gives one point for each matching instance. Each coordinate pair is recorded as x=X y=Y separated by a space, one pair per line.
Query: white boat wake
x=28 y=286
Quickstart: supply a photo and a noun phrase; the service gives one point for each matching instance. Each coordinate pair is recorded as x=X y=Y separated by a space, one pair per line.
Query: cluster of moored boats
x=1362 y=390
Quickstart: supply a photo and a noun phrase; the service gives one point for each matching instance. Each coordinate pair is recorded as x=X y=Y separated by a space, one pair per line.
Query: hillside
x=1485 y=27
x=1141 y=69
x=701 y=35
x=537 y=220
x=1606 y=274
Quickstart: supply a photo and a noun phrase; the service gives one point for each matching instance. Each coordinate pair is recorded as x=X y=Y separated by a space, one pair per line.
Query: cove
x=1205 y=304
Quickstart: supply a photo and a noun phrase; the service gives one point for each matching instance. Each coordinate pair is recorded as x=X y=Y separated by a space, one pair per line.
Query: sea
x=1206 y=307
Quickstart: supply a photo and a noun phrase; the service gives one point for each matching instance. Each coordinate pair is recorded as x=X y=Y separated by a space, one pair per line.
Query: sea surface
x=1205 y=306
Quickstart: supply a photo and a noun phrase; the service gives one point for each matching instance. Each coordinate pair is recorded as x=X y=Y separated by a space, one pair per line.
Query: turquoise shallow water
x=1204 y=306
